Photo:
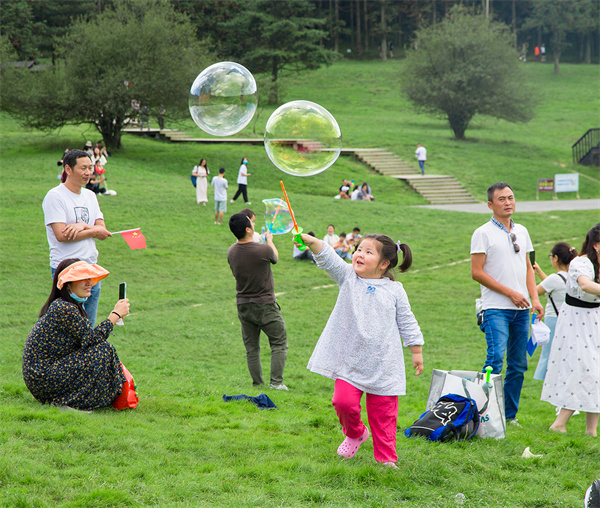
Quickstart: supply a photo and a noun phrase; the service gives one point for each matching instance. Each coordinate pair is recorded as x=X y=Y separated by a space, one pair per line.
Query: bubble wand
x=297 y=236
x=488 y=372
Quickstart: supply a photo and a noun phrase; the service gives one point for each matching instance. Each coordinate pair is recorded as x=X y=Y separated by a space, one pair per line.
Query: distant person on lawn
x=500 y=263
x=421 y=155
x=331 y=238
x=257 y=306
x=242 y=181
x=220 y=184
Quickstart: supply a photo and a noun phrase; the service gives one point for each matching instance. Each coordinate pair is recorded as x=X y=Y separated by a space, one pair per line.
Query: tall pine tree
x=270 y=37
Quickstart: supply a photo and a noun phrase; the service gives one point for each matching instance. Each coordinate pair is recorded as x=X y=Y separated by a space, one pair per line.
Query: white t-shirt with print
x=62 y=205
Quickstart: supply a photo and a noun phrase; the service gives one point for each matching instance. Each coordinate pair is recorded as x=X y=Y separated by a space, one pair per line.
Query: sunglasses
x=513 y=239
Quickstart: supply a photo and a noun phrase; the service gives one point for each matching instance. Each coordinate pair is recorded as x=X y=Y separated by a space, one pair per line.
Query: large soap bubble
x=278 y=218
x=302 y=138
x=223 y=98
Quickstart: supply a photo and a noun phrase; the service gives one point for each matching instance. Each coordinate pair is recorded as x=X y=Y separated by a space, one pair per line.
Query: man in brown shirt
x=258 y=309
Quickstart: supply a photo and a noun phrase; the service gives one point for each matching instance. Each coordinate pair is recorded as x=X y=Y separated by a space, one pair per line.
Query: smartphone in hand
x=122 y=295
x=532 y=257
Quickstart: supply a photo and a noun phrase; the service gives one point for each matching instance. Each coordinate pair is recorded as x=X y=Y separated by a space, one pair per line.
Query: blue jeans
x=507 y=331
x=91 y=304
x=422 y=166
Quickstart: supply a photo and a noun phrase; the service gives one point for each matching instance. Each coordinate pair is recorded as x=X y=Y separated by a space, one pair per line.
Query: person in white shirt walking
x=421 y=155
x=242 y=182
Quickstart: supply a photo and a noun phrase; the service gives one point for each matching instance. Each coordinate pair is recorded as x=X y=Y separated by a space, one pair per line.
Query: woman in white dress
x=573 y=378
x=201 y=173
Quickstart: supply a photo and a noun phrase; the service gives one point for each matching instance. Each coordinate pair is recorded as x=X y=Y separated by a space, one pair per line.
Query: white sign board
x=566 y=183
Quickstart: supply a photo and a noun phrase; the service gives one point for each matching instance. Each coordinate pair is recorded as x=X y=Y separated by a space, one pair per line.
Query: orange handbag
x=128 y=399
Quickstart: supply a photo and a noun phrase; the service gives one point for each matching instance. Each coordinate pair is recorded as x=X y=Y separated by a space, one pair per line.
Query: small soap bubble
x=278 y=218
x=302 y=138
x=460 y=498
x=223 y=98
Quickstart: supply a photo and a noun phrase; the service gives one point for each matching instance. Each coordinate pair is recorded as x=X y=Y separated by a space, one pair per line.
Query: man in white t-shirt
x=331 y=238
x=500 y=263
x=220 y=184
x=421 y=155
x=74 y=221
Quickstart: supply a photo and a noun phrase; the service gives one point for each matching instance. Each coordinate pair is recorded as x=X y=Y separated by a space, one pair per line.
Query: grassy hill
x=183 y=446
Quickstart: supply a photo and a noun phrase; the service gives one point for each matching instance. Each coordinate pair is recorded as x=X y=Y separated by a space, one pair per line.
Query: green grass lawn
x=184 y=446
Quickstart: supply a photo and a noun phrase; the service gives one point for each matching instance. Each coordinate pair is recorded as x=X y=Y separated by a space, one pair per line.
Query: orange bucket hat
x=81 y=270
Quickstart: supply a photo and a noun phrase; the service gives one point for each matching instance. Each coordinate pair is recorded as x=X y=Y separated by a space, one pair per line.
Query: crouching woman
x=66 y=362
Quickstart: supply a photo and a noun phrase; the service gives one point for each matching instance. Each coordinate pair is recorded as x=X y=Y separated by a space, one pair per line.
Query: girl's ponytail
x=406 y=256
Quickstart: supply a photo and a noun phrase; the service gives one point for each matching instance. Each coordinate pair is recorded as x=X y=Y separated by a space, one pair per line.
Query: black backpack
x=452 y=417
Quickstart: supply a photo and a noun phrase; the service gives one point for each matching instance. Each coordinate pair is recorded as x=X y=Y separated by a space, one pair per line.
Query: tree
x=19 y=25
x=141 y=50
x=272 y=37
x=586 y=23
x=54 y=18
x=558 y=18
x=464 y=66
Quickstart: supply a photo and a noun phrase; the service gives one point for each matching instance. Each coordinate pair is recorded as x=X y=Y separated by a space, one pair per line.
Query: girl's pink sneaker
x=350 y=446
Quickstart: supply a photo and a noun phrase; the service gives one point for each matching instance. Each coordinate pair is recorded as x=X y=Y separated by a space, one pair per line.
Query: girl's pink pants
x=382 y=412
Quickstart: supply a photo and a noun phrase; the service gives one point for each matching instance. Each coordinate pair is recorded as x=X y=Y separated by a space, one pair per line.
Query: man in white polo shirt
x=74 y=221
x=500 y=263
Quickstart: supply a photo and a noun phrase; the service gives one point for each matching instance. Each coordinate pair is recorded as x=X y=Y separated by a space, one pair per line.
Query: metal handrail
x=584 y=145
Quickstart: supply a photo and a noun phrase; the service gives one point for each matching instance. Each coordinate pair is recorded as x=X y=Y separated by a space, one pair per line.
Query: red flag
x=135 y=239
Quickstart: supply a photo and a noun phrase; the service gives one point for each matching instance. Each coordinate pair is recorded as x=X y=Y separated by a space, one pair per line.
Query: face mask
x=77 y=298
x=245 y=162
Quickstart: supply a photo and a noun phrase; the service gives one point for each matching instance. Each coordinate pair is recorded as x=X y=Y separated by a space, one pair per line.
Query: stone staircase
x=384 y=162
x=437 y=189
x=177 y=136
